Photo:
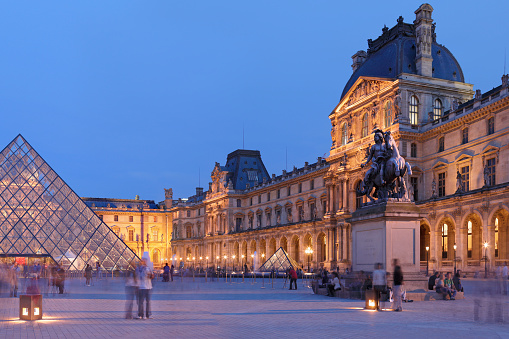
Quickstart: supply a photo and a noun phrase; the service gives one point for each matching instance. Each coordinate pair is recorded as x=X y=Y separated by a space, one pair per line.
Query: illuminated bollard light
x=30 y=307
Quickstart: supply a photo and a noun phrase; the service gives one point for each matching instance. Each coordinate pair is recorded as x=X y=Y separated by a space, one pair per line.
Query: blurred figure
x=131 y=290
x=293 y=278
x=379 y=283
x=88 y=275
x=457 y=281
x=13 y=280
x=449 y=285
x=432 y=281
x=398 y=282
x=172 y=269
x=98 y=269
x=335 y=286
x=166 y=273
x=505 y=277
x=144 y=274
x=60 y=279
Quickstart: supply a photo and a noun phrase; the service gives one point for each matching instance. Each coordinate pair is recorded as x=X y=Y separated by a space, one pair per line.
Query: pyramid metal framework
x=280 y=261
x=40 y=215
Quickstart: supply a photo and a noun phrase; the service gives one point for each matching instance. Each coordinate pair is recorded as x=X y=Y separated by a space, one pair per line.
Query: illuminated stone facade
x=141 y=224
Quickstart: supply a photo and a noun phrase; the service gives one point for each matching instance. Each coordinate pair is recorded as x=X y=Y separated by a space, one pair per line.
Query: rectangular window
x=155 y=219
x=188 y=214
x=465 y=178
x=131 y=235
x=239 y=203
x=312 y=184
x=403 y=148
x=491 y=125
x=268 y=196
x=252 y=175
x=131 y=218
x=441 y=184
x=251 y=201
x=300 y=187
x=278 y=217
x=259 y=199
x=288 y=191
x=199 y=211
x=269 y=215
x=413 y=182
x=441 y=145
x=413 y=150
x=312 y=211
x=278 y=194
x=464 y=136
x=155 y=235
x=258 y=220
x=324 y=206
x=490 y=172
x=115 y=218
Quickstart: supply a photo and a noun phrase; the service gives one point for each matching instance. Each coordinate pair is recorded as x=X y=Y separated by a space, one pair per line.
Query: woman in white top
x=335 y=286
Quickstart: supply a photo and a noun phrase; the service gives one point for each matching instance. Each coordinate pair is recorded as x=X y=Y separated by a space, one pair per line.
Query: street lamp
x=485 y=260
x=309 y=252
x=201 y=258
x=252 y=260
x=225 y=262
x=233 y=262
x=454 y=258
x=427 y=260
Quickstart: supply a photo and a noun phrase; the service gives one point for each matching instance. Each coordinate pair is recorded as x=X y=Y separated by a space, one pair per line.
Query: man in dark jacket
x=432 y=280
x=398 y=282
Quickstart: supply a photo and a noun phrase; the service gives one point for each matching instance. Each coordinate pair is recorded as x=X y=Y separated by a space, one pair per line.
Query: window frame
x=413 y=110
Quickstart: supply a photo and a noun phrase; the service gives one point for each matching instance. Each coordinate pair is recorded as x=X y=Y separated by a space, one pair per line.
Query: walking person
x=166 y=273
x=131 y=290
x=88 y=274
x=144 y=275
x=293 y=278
x=397 y=285
x=379 y=283
x=172 y=269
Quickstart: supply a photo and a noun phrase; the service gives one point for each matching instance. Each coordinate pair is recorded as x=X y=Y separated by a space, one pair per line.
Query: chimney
x=424 y=38
x=199 y=191
x=358 y=59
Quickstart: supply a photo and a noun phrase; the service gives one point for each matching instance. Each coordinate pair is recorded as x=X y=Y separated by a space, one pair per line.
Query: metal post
x=263 y=279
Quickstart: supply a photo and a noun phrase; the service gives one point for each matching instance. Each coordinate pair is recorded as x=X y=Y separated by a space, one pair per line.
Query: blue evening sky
x=130 y=97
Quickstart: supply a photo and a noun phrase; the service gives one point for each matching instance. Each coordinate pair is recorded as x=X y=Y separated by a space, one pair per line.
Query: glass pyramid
x=279 y=261
x=41 y=216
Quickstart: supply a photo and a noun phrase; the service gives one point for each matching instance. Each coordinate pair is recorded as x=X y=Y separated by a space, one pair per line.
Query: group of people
x=168 y=272
x=446 y=284
x=138 y=285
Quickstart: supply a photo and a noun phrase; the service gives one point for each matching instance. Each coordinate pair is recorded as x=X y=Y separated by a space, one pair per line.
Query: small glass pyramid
x=279 y=261
x=41 y=216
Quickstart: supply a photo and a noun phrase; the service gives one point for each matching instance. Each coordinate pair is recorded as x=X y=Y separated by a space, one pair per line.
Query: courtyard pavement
x=187 y=309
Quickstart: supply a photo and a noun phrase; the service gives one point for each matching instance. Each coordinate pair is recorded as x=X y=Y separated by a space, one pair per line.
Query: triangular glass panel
x=41 y=215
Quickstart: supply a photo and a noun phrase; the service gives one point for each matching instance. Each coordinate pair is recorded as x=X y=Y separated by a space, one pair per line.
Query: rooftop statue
x=387 y=170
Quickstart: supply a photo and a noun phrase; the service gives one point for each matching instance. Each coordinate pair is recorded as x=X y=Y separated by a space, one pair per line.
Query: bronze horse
x=395 y=169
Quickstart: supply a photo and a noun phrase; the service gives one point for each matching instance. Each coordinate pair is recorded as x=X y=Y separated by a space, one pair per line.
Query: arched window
x=437 y=109
x=444 y=240
x=387 y=114
x=469 y=239
x=413 y=110
x=344 y=134
x=365 y=125
x=496 y=237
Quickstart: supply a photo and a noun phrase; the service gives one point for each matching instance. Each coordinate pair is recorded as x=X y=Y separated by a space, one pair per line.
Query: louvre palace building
x=454 y=137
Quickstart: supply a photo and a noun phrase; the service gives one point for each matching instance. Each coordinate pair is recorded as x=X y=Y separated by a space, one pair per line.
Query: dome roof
x=394 y=53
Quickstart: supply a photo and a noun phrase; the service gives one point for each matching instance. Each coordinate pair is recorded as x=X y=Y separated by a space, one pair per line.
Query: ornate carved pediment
x=365 y=87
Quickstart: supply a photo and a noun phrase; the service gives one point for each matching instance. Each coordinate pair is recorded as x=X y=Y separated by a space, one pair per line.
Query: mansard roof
x=245 y=167
x=393 y=53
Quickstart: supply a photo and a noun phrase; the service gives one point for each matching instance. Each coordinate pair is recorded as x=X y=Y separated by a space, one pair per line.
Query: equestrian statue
x=387 y=171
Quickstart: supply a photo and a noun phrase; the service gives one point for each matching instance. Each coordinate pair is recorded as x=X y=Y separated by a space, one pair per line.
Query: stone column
x=345 y=195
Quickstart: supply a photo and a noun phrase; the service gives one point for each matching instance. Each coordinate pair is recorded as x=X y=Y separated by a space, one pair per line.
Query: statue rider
x=377 y=153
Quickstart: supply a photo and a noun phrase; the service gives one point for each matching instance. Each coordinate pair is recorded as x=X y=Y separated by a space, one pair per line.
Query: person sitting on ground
x=449 y=284
x=335 y=286
x=457 y=282
x=441 y=289
x=432 y=281
x=325 y=277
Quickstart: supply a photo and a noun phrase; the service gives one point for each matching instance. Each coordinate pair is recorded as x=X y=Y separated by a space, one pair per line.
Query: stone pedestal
x=386 y=231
